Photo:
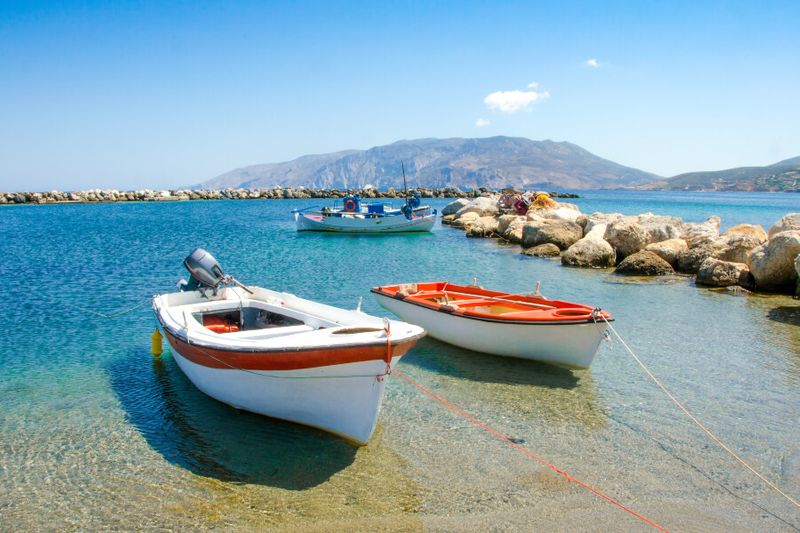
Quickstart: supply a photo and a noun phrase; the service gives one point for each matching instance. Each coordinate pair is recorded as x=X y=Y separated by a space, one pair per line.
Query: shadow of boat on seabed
x=211 y=439
x=556 y=394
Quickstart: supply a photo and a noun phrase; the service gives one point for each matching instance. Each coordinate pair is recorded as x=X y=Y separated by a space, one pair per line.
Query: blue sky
x=151 y=94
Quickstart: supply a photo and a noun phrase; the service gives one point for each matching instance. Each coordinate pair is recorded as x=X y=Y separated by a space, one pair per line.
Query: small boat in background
x=512 y=325
x=355 y=216
x=278 y=355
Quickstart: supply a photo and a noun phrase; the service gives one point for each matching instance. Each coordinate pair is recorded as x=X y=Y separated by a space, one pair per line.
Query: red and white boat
x=512 y=325
x=278 y=355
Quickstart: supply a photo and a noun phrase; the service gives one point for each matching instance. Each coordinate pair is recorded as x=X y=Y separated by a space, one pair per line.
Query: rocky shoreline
x=172 y=195
x=744 y=257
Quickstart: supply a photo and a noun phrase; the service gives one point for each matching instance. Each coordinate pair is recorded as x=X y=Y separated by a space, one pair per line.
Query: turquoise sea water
x=96 y=434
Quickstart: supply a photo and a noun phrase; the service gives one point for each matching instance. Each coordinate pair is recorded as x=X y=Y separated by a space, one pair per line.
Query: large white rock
x=627 y=236
x=661 y=228
x=788 y=222
x=773 y=263
x=466 y=218
x=453 y=207
x=513 y=233
x=562 y=233
x=504 y=221
x=696 y=234
x=601 y=218
x=591 y=251
x=483 y=206
x=564 y=213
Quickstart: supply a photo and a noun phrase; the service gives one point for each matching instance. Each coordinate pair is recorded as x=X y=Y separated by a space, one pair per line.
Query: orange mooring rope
x=526 y=451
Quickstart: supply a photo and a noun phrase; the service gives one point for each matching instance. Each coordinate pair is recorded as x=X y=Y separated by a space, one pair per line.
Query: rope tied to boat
x=115 y=314
x=387 y=328
x=694 y=419
x=529 y=453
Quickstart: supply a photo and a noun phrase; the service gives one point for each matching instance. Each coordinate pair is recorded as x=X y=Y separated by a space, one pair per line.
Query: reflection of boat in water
x=357 y=217
x=279 y=355
x=512 y=325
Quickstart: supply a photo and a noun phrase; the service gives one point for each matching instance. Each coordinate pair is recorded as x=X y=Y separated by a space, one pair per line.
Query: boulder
x=668 y=250
x=505 y=220
x=600 y=218
x=462 y=220
x=717 y=273
x=482 y=206
x=644 y=263
x=482 y=227
x=562 y=233
x=736 y=247
x=696 y=234
x=453 y=207
x=689 y=261
x=773 y=263
x=592 y=251
x=513 y=232
x=753 y=230
x=448 y=219
x=543 y=250
x=661 y=228
x=562 y=212
x=788 y=222
x=627 y=236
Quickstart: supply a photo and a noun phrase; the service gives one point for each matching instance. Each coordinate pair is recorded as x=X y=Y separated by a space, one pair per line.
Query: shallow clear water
x=95 y=433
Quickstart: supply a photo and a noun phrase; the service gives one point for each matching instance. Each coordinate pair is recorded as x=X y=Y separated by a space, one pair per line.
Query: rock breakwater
x=744 y=256
x=166 y=195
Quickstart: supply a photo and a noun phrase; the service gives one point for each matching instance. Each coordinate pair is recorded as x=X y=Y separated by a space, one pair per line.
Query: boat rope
x=529 y=453
x=115 y=314
x=694 y=419
x=388 y=330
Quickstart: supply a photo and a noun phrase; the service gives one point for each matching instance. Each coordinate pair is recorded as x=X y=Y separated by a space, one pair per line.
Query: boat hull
x=569 y=344
x=344 y=399
x=364 y=224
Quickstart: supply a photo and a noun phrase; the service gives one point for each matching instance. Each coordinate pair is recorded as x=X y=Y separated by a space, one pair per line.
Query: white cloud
x=514 y=101
x=593 y=63
x=482 y=122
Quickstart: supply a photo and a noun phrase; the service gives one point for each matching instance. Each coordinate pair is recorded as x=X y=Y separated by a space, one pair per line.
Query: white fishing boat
x=278 y=355
x=357 y=217
x=511 y=325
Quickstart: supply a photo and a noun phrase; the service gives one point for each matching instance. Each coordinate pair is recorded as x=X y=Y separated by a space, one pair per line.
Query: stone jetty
x=744 y=256
x=166 y=195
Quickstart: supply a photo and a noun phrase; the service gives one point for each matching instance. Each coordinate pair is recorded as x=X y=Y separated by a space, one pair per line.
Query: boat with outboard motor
x=355 y=216
x=511 y=325
x=278 y=355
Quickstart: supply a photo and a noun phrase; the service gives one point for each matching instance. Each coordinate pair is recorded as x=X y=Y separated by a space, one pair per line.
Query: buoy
x=156 y=347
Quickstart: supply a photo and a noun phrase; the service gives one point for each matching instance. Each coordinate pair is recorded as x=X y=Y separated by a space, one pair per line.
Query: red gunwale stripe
x=278 y=360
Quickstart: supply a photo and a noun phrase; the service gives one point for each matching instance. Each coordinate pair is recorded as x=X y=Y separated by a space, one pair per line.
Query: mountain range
x=494 y=163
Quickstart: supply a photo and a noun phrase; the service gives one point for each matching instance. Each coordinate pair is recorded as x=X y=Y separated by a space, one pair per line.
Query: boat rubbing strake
x=513 y=325
x=278 y=355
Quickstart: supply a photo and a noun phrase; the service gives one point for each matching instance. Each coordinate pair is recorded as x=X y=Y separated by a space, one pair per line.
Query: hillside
x=495 y=162
x=783 y=176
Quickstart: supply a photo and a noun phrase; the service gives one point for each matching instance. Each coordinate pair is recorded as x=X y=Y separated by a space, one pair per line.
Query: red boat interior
x=482 y=303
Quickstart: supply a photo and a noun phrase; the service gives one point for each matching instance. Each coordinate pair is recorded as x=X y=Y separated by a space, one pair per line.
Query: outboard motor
x=205 y=272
